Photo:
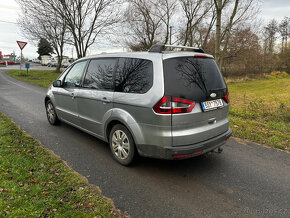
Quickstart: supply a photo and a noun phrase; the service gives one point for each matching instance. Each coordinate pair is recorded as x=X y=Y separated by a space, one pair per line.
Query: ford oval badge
x=213 y=95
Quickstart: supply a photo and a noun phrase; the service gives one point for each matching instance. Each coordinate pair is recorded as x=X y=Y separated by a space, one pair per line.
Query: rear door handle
x=105 y=100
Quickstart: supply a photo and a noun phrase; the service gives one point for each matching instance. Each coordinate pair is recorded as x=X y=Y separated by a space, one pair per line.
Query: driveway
x=246 y=180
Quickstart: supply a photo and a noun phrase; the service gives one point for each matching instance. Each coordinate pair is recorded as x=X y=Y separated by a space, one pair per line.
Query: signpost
x=21 y=46
x=27 y=66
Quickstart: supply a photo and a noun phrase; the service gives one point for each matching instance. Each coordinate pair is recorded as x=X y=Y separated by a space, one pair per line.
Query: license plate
x=211 y=105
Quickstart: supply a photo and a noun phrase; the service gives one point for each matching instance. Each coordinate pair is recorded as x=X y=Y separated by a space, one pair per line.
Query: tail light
x=227 y=97
x=200 y=56
x=173 y=105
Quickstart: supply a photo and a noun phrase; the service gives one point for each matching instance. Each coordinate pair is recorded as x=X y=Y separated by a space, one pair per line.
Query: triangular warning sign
x=21 y=44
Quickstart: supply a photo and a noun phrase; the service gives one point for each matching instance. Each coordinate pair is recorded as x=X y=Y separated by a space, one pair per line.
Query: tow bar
x=218 y=150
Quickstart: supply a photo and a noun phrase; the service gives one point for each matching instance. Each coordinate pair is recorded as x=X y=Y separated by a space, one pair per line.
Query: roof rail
x=159 y=48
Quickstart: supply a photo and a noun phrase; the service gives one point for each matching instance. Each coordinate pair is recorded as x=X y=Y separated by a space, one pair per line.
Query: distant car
x=36 y=61
x=65 y=64
x=52 y=63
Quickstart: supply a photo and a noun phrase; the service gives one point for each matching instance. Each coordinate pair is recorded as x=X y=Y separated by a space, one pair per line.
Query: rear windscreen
x=193 y=78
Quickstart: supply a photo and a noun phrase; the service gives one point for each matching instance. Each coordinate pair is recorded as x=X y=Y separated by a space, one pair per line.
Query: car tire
x=51 y=114
x=122 y=145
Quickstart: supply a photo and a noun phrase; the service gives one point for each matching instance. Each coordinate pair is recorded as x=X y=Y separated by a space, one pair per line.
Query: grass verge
x=34 y=182
x=260 y=111
x=42 y=78
x=260 y=106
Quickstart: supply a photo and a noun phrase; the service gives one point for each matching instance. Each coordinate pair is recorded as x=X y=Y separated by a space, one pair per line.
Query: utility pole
x=170 y=34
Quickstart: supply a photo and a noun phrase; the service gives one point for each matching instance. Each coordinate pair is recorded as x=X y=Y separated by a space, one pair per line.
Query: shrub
x=277 y=74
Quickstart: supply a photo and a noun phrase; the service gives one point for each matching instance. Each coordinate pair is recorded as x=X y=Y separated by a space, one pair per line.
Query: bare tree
x=244 y=53
x=206 y=29
x=195 y=11
x=234 y=13
x=219 y=6
x=284 y=32
x=57 y=33
x=37 y=23
x=148 y=22
x=166 y=10
x=85 y=19
x=143 y=25
x=270 y=34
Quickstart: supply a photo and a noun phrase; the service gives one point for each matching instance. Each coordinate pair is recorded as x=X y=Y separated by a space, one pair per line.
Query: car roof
x=144 y=55
x=147 y=55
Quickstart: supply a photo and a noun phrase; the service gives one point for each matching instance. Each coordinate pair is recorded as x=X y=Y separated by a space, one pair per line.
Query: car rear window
x=193 y=78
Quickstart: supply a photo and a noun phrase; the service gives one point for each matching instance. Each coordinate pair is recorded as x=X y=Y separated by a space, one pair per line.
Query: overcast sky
x=10 y=33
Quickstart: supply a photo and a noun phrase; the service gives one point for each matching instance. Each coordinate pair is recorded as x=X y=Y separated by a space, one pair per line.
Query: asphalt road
x=33 y=66
x=246 y=180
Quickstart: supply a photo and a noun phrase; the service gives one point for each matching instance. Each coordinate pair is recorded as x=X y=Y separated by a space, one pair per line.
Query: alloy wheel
x=120 y=144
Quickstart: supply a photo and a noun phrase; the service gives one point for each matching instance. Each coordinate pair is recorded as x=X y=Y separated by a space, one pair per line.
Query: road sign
x=21 y=44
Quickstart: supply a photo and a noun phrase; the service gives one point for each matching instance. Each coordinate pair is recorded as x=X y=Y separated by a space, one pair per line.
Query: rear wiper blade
x=219 y=89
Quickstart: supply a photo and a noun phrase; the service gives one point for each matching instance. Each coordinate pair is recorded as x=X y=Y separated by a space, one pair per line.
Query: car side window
x=63 y=74
x=74 y=76
x=100 y=74
x=134 y=75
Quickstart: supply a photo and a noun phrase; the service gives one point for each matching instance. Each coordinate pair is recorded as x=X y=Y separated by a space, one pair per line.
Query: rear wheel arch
x=46 y=100
x=111 y=125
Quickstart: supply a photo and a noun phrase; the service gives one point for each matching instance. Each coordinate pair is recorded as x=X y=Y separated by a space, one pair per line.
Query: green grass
x=36 y=183
x=260 y=111
x=259 y=106
x=42 y=78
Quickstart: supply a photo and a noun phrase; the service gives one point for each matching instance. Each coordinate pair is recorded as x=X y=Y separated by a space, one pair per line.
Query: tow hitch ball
x=218 y=150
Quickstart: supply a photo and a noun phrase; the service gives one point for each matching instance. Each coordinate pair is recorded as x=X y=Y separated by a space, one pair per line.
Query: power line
x=4 y=21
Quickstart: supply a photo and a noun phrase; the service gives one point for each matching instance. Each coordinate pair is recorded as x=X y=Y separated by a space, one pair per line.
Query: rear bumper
x=184 y=151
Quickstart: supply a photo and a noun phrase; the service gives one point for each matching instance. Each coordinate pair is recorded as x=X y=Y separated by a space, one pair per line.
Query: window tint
x=100 y=73
x=73 y=78
x=193 y=78
x=134 y=75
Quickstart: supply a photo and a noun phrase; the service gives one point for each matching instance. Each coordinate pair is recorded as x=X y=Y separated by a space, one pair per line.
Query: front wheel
x=122 y=145
x=51 y=114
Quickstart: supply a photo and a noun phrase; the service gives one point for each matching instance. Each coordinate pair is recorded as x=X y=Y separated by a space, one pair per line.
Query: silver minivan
x=160 y=104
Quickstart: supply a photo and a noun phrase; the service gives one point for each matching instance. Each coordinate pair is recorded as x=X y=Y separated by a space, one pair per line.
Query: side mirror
x=57 y=83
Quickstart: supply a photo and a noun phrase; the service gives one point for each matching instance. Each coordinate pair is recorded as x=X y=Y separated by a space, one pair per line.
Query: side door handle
x=105 y=100
x=72 y=95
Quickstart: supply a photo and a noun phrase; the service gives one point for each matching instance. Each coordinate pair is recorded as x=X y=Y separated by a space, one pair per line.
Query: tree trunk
x=218 y=4
x=59 y=60
x=282 y=48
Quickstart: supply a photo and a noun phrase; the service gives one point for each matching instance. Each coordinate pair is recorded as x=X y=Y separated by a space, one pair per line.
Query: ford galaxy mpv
x=160 y=104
